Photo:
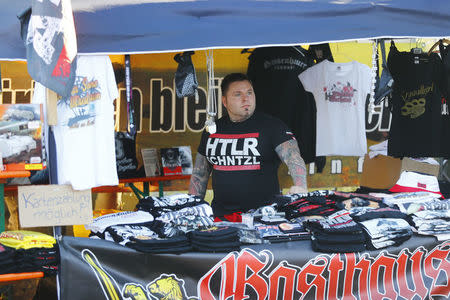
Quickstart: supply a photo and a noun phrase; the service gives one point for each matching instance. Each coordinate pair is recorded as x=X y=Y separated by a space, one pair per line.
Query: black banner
x=97 y=269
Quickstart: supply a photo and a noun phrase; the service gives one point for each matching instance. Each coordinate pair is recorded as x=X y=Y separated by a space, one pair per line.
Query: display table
x=20 y=276
x=98 y=269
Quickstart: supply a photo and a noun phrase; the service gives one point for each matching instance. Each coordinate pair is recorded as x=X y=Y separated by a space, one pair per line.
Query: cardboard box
x=409 y=164
x=382 y=172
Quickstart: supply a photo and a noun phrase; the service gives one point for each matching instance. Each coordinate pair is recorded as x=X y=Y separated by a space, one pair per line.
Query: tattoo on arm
x=290 y=155
x=200 y=176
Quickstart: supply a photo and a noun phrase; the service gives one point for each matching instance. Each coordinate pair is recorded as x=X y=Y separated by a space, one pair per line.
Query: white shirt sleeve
x=112 y=85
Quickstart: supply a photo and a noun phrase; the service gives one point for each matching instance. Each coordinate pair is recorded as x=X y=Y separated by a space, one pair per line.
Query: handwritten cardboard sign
x=53 y=205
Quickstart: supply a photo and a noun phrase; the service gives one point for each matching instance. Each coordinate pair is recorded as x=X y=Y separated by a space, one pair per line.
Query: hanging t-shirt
x=244 y=161
x=416 y=128
x=39 y=97
x=340 y=91
x=84 y=134
x=274 y=74
x=445 y=56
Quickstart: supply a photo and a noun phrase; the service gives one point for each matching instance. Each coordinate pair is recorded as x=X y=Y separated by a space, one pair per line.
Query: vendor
x=244 y=154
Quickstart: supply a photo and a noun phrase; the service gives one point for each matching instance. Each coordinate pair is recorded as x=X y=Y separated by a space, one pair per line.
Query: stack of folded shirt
x=7 y=262
x=369 y=213
x=282 y=200
x=159 y=205
x=182 y=221
x=431 y=205
x=215 y=239
x=283 y=232
x=384 y=226
x=336 y=234
x=432 y=218
x=141 y=230
x=122 y=233
x=38 y=259
x=24 y=239
x=297 y=205
x=100 y=224
x=408 y=197
x=350 y=200
x=178 y=244
x=33 y=251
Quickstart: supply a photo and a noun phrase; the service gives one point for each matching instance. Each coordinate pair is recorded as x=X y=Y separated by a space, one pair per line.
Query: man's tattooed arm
x=290 y=155
x=200 y=176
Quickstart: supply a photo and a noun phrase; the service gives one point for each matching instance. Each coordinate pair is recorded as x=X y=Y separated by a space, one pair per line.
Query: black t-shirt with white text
x=244 y=161
x=274 y=72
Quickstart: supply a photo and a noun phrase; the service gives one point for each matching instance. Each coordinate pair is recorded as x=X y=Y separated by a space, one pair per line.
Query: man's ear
x=224 y=101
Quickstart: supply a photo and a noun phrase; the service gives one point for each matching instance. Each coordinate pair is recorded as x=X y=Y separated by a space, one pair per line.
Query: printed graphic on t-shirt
x=415 y=101
x=81 y=102
x=233 y=152
x=288 y=63
x=339 y=92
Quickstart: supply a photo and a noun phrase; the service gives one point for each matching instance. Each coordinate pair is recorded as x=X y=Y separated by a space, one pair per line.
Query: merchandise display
x=335 y=222
x=84 y=135
x=340 y=91
x=28 y=251
x=417 y=128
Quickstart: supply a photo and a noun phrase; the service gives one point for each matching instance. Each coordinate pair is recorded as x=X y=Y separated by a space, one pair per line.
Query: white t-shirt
x=340 y=91
x=84 y=135
x=40 y=97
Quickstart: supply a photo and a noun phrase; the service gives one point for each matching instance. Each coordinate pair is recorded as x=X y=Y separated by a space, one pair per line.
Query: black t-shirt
x=416 y=128
x=445 y=55
x=244 y=161
x=274 y=74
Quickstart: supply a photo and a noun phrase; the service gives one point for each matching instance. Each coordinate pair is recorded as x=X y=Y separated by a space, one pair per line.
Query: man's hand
x=295 y=189
x=290 y=155
x=200 y=176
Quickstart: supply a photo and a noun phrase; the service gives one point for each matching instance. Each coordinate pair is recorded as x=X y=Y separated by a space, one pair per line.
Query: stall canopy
x=146 y=26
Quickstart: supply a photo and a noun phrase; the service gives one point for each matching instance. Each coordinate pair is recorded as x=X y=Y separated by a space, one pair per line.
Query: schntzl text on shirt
x=233 y=152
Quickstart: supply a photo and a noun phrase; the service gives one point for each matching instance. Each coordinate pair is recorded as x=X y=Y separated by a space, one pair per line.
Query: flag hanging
x=51 y=46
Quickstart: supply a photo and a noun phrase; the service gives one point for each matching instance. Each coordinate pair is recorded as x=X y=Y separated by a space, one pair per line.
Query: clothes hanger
x=433 y=47
x=447 y=41
x=298 y=50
